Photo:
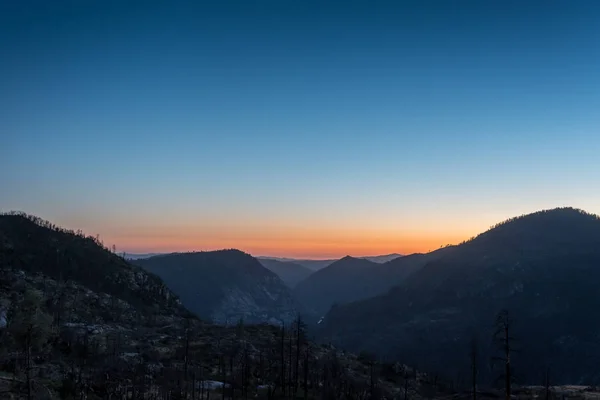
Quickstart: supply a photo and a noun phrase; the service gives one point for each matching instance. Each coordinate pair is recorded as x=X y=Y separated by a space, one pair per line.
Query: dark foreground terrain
x=79 y=322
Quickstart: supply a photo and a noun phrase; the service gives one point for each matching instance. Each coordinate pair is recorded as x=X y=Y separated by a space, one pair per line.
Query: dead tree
x=474 y=353
x=223 y=376
x=283 y=358
x=290 y=369
x=504 y=341
x=186 y=356
x=547 y=383
x=299 y=334
x=372 y=378
x=306 y=366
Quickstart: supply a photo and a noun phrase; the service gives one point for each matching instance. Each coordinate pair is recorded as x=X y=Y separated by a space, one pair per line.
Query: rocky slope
x=225 y=286
x=32 y=245
x=543 y=268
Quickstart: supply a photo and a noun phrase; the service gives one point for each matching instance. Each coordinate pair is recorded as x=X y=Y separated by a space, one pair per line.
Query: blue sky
x=364 y=126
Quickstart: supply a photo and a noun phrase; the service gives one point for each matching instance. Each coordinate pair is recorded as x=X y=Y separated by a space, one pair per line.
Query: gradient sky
x=294 y=128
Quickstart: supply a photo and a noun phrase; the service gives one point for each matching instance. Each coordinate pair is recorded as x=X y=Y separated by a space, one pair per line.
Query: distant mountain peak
x=224 y=285
x=557 y=224
x=542 y=267
x=552 y=214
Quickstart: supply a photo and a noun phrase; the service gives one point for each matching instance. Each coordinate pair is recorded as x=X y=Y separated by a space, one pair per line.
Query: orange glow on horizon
x=293 y=246
x=307 y=240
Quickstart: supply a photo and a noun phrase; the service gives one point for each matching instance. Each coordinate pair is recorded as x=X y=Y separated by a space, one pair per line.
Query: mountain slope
x=289 y=272
x=334 y=283
x=224 y=286
x=383 y=258
x=32 y=245
x=544 y=268
x=352 y=279
x=77 y=321
x=134 y=256
x=313 y=265
x=84 y=308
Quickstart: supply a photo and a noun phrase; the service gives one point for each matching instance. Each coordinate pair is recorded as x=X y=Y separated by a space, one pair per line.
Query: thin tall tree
x=474 y=355
x=504 y=341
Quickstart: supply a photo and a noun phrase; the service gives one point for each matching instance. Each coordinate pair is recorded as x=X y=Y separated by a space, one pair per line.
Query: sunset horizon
x=305 y=244
x=315 y=200
x=296 y=129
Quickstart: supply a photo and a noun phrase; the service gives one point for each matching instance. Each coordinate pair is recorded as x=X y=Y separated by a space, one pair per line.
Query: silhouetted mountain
x=337 y=282
x=383 y=258
x=544 y=268
x=351 y=279
x=313 y=265
x=33 y=245
x=225 y=286
x=77 y=321
x=137 y=256
x=290 y=273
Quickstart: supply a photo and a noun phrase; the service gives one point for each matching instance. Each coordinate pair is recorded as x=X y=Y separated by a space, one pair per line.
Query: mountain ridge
x=289 y=272
x=542 y=267
x=82 y=322
x=332 y=284
x=225 y=286
x=352 y=279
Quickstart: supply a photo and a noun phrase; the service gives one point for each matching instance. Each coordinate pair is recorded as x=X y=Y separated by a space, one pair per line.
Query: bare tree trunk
x=28 y=365
x=186 y=360
x=372 y=381
x=306 y=374
x=231 y=379
x=194 y=385
x=406 y=378
x=246 y=372
x=507 y=353
x=298 y=344
x=201 y=382
x=222 y=362
x=290 y=381
x=504 y=340
x=547 y=383
x=474 y=368
x=283 y=359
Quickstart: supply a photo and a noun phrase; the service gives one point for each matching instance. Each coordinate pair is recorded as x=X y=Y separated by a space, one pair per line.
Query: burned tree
x=474 y=355
x=504 y=341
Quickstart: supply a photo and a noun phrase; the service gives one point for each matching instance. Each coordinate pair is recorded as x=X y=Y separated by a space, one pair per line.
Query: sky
x=297 y=128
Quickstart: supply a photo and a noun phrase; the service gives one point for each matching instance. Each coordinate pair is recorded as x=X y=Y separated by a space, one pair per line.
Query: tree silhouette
x=504 y=341
x=474 y=355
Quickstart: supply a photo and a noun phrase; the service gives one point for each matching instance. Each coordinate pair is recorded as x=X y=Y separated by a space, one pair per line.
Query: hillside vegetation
x=542 y=268
x=78 y=322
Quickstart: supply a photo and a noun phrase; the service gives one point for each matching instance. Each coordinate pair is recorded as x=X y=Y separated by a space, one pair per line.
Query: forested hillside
x=78 y=322
x=542 y=268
